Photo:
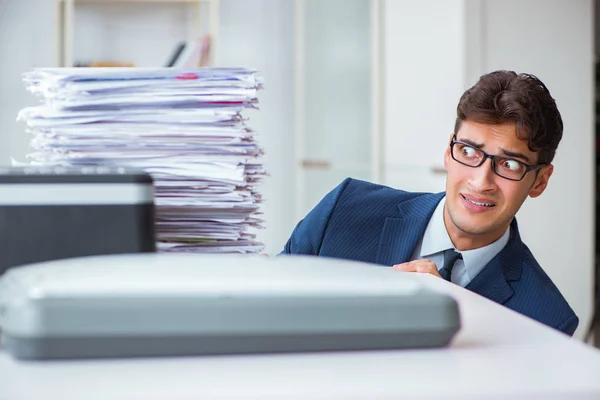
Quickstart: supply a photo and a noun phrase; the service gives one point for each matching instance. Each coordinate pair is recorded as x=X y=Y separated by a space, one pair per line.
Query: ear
x=541 y=182
x=447 y=155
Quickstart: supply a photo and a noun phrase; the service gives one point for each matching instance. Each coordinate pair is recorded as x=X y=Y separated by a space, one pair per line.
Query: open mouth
x=477 y=203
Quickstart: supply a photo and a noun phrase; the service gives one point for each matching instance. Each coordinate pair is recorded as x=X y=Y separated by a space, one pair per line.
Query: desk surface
x=498 y=354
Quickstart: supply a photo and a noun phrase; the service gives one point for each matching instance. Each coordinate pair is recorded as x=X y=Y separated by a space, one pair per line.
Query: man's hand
x=423 y=265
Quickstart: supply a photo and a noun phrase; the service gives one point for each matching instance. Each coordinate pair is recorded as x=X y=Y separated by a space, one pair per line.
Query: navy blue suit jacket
x=377 y=224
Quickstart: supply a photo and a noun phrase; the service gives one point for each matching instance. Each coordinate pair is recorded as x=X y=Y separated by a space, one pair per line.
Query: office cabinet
x=336 y=62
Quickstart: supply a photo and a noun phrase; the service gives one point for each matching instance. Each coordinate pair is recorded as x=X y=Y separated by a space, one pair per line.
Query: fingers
x=423 y=266
x=406 y=267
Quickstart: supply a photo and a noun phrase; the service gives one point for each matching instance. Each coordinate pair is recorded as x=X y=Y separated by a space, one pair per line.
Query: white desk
x=497 y=355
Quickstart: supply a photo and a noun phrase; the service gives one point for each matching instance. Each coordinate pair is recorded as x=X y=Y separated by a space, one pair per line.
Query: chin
x=473 y=224
x=473 y=230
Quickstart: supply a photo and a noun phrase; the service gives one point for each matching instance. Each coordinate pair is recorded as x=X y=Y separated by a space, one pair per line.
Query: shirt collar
x=436 y=240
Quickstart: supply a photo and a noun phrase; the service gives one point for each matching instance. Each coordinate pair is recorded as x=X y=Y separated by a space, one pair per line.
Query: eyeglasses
x=507 y=168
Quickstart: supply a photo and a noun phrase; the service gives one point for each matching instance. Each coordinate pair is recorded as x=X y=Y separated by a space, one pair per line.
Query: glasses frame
x=493 y=158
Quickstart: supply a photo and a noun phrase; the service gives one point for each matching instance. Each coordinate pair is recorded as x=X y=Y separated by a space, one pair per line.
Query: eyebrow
x=504 y=152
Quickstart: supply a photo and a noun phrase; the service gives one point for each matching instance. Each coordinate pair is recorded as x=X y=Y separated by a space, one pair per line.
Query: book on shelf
x=191 y=53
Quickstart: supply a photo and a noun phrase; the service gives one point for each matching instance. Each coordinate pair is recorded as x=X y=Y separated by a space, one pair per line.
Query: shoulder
x=549 y=305
x=357 y=190
x=533 y=275
x=362 y=200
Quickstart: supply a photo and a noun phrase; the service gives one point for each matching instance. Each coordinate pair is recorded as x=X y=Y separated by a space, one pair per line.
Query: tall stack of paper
x=185 y=127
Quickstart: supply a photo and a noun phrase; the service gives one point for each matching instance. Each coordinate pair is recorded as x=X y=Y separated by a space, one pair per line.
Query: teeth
x=480 y=204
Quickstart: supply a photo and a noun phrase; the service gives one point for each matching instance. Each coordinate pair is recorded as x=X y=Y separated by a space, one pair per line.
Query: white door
x=333 y=96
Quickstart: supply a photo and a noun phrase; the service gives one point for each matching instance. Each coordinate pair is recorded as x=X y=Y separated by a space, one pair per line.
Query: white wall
x=26 y=41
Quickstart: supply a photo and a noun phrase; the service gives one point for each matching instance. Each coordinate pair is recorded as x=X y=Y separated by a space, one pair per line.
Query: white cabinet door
x=423 y=78
x=333 y=116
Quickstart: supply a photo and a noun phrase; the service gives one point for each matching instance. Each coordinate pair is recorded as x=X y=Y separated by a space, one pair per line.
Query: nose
x=483 y=177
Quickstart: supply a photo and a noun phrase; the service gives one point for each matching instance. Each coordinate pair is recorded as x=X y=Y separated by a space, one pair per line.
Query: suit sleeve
x=309 y=232
x=569 y=326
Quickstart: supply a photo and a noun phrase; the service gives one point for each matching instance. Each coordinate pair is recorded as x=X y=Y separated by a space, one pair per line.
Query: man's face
x=480 y=205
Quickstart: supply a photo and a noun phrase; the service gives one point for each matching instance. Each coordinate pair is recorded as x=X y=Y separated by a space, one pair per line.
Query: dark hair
x=504 y=97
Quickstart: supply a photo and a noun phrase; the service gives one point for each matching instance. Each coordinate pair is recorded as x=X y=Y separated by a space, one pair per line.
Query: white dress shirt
x=435 y=240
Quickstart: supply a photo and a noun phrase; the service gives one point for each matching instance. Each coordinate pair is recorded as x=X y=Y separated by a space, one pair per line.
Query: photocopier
x=54 y=212
x=174 y=304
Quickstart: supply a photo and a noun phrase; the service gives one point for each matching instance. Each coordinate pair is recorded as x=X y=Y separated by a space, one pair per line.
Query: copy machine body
x=161 y=304
x=49 y=213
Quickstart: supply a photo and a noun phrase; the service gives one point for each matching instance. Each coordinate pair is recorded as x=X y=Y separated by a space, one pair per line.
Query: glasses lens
x=466 y=154
x=509 y=168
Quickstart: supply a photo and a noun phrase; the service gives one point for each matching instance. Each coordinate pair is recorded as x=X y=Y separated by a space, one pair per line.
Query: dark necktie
x=450 y=257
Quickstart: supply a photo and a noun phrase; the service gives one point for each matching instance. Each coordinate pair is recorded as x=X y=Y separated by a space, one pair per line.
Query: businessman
x=501 y=150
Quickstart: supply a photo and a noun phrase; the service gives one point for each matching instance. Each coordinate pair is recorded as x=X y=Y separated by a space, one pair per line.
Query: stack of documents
x=184 y=127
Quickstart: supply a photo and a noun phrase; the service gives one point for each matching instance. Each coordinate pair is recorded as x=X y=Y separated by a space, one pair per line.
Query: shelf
x=66 y=24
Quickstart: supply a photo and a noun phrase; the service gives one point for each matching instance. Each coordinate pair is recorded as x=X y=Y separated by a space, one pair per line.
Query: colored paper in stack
x=185 y=127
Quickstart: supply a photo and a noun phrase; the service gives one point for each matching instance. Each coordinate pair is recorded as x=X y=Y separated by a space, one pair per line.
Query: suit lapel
x=400 y=235
x=492 y=281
